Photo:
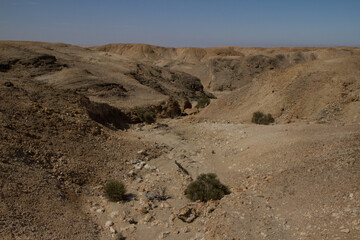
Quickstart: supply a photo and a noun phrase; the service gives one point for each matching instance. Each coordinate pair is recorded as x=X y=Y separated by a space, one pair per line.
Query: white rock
x=114 y=214
x=165 y=205
x=134 y=161
x=131 y=228
x=147 y=218
x=346 y=230
x=140 y=165
x=100 y=210
x=112 y=230
x=148 y=166
x=109 y=223
x=172 y=218
x=185 y=230
x=155 y=223
x=163 y=235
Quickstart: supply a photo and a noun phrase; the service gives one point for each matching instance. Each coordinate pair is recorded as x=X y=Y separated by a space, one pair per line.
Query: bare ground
x=296 y=179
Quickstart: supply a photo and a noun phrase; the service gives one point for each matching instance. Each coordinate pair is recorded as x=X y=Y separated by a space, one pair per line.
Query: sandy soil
x=297 y=181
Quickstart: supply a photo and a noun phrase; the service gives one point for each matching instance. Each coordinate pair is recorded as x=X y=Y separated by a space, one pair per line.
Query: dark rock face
x=171 y=108
x=177 y=84
x=42 y=60
x=105 y=114
x=4 y=67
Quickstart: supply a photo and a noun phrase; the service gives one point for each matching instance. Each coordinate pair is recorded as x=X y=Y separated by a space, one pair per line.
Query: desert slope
x=68 y=126
x=116 y=80
x=311 y=84
x=320 y=91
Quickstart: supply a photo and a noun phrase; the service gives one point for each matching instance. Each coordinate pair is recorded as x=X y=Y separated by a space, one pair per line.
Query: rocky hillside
x=69 y=123
x=115 y=80
x=311 y=84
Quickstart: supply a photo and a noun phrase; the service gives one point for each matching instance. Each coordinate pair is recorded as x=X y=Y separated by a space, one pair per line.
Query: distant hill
x=312 y=84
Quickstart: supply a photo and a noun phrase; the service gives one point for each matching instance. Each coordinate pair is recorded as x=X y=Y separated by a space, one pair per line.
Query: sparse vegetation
x=146 y=115
x=206 y=187
x=261 y=118
x=203 y=102
x=159 y=194
x=115 y=191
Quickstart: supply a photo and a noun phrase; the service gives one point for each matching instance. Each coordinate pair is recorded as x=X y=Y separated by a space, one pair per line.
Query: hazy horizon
x=183 y=24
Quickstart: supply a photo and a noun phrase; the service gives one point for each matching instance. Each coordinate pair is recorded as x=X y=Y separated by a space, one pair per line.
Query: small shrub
x=203 y=102
x=159 y=194
x=261 y=118
x=146 y=115
x=115 y=191
x=205 y=188
x=149 y=117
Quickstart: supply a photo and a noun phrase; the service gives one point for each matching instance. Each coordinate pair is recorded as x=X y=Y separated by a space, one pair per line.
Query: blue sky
x=175 y=23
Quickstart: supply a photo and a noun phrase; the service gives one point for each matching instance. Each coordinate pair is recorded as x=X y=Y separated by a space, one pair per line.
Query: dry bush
x=146 y=115
x=115 y=191
x=203 y=102
x=261 y=118
x=206 y=187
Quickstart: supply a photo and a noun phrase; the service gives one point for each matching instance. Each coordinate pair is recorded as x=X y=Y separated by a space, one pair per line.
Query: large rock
x=188 y=213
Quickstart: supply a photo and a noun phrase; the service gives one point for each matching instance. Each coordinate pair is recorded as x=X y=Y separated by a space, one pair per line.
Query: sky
x=183 y=23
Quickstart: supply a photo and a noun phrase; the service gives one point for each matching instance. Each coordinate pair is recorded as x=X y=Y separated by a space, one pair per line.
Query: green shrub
x=146 y=115
x=205 y=188
x=115 y=191
x=261 y=118
x=203 y=102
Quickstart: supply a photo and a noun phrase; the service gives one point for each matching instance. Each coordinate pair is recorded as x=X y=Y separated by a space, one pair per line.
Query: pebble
x=155 y=223
x=143 y=209
x=114 y=214
x=134 y=161
x=172 y=218
x=148 y=166
x=185 y=230
x=140 y=165
x=346 y=230
x=112 y=230
x=109 y=223
x=163 y=235
x=130 y=228
x=147 y=218
x=100 y=210
x=141 y=151
x=165 y=205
